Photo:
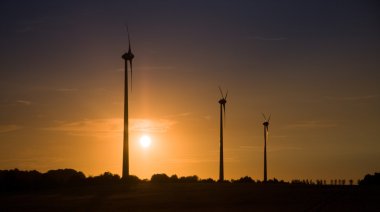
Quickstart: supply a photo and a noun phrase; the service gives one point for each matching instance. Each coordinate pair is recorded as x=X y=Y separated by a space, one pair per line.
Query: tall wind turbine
x=128 y=57
x=222 y=103
x=266 y=133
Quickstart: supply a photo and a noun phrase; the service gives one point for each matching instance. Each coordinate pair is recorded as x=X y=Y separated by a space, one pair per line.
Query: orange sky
x=61 y=89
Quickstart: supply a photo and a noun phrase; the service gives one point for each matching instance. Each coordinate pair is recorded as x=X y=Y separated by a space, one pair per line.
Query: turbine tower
x=222 y=103
x=128 y=57
x=266 y=129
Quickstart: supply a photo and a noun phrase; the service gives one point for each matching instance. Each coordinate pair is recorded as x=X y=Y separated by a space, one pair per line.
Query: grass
x=195 y=197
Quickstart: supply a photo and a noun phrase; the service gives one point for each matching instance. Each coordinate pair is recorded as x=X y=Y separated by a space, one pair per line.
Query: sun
x=145 y=141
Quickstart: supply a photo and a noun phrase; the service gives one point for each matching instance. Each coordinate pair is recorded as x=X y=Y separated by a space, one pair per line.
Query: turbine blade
x=269 y=117
x=221 y=91
x=129 y=39
x=265 y=118
x=130 y=64
x=226 y=95
x=224 y=114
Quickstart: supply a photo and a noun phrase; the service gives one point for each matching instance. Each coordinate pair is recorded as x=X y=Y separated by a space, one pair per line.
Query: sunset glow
x=313 y=65
x=145 y=141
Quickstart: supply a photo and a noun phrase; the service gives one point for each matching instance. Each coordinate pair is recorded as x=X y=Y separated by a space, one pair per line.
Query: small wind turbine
x=128 y=57
x=222 y=103
x=266 y=134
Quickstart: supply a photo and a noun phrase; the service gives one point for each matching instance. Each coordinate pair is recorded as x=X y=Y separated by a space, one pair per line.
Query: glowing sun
x=145 y=141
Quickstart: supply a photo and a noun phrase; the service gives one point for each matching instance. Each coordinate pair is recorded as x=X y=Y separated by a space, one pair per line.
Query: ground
x=195 y=197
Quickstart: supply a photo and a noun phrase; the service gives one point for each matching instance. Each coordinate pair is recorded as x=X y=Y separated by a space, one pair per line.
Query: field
x=195 y=197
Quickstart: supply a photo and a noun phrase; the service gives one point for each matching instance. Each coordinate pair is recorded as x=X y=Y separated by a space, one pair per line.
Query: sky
x=313 y=65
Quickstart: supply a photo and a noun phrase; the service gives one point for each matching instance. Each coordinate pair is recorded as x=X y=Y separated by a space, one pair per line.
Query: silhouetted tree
x=174 y=178
x=132 y=179
x=296 y=182
x=188 y=179
x=370 y=180
x=62 y=177
x=19 y=180
x=275 y=181
x=106 y=178
x=159 y=178
x=245 y=179
x=208 y=180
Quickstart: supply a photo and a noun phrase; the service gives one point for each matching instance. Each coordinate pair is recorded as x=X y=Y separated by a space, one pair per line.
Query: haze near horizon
x=312 y=65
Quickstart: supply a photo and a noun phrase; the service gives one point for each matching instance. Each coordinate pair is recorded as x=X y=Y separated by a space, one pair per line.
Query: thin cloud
x=119 y=70
x=149 y=68
x=184 y=114
x=353 y=98
x=9 y=128
x=90 y=127
x=247 y=147
x=24 y=102
x=191 y=160
x=157 y=68
x=273 y=148
x=268 y=38
x=151 y=125
x=312 y=124
x=66 y=89
x=111 y=127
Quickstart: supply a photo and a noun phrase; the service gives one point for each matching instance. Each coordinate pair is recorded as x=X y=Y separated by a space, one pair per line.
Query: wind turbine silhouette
x=128 y=57
x=266 y=134
x=222 y=103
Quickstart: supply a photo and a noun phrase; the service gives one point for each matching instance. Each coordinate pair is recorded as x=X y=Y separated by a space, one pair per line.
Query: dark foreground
x=195 y=197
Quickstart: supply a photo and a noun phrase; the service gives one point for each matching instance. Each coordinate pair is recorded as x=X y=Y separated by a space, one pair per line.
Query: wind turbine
x=266 y=134
x=222 y=103
x=128 y=57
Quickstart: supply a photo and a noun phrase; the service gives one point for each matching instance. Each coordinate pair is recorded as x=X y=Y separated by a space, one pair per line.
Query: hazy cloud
x=273 y=148
x=66 y=89
x=157 y=67
x=184 y=114
x=268 y=38
x=191 y=160
x=151 y=125
x=312 y=124
x=90 y=127
x=353 y=98
x=24 y=102
x=9 y=128
x=111 y=127
x=119 y=70
x=148 y=68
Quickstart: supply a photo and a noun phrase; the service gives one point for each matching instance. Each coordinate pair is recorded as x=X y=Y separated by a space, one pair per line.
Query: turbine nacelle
x=266 y=120
x=222 y=103
x=223 y=100
x=128 y=56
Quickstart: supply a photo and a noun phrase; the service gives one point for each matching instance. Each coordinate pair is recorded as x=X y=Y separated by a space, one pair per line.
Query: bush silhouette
x=245 y=179
x=370 y=180
x=160 y=178
x=188 y=179
x=208 y=180
x=62 y=177
x=105 y=178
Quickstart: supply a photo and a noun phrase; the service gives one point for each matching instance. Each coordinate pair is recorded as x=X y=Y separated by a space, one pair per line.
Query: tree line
x=13 y=180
